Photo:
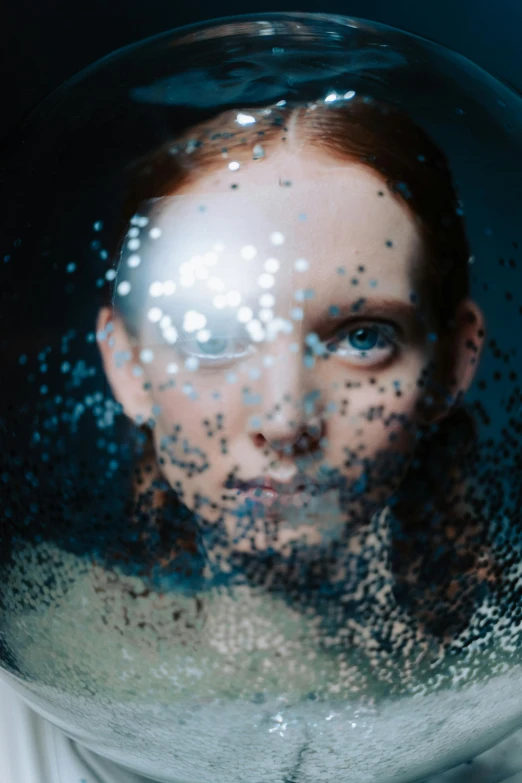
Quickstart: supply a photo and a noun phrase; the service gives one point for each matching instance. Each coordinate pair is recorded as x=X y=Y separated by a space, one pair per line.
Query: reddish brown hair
x=361 y=130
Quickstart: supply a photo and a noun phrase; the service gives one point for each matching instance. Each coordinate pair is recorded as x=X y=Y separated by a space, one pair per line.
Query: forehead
x=333 y=215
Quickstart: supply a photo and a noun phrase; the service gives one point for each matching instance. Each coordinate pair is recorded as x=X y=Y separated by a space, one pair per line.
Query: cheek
x=200 y=413
x=381 y=421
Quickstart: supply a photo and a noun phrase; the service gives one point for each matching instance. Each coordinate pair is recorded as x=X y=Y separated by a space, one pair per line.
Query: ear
x=119 y=355
x=467 y=340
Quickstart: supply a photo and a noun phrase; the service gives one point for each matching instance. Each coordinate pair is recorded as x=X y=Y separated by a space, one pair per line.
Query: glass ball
x=260 y=404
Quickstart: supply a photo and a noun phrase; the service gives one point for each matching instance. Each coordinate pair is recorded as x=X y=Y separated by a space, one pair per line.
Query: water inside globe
x=260 y=405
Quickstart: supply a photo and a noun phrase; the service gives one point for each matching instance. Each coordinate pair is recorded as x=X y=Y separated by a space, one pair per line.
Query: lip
x=300 y=492
x=271 y=486
x=270 y=499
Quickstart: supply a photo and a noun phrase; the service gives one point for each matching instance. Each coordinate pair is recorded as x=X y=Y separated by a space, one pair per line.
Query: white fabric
x=32 y=750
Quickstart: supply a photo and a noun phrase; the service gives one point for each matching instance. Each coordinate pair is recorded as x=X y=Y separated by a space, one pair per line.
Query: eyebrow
x=368 y=307
x=409 y=316
x=377 y=306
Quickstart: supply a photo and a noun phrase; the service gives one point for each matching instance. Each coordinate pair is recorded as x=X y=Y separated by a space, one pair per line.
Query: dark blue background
x=44 y=42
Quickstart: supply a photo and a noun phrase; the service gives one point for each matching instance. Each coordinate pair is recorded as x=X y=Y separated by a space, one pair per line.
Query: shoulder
x=34 y=750
x=25 y=740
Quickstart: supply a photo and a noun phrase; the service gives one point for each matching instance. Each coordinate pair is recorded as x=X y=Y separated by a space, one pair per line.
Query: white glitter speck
x=266 y=280
x=255 y=330
x=244 y=315
x=301 y=264
x=279 y=325
x=133 y=261
x=267 y=300
x=133 y=244
x=146 y=355
x=219 y=301
x=168 y=288
x=248 y=252
x=124 y=288
x=272 y=265
x=192 y=363
x=266 y=315
x=245 y=119
x=154 y=315
x=155 y=233
x=233 y=165
x=193 y=321
x=156 y=288
x=277 y=238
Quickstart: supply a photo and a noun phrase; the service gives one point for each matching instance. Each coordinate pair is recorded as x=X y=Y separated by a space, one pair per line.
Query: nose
x=291 y=420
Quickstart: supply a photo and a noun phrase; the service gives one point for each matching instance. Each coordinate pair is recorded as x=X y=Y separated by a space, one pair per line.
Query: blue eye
x=365 y=341
x=216 y=350
x=364 y=338
x=214 y=346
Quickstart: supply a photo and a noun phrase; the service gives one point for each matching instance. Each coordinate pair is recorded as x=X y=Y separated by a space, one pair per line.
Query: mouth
x=297 y=484
x=274 y=495
x=272 y=501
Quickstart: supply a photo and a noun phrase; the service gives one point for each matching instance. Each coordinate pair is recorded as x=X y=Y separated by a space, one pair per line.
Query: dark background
x=44 y=42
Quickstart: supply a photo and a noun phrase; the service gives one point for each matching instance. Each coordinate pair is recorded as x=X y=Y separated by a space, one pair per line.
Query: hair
x=363 y=131
x=430 y=511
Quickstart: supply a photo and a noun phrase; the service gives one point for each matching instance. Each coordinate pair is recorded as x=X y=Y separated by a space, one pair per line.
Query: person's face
x=289 y=305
